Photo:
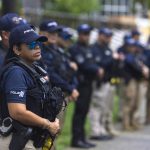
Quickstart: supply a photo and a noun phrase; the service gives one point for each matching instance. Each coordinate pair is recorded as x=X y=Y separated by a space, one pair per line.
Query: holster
x=20 y=137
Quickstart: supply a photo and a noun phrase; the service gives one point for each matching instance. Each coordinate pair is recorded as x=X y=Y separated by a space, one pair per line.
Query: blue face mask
x=33 y=45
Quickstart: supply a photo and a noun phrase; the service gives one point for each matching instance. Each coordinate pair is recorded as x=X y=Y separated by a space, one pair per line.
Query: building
x=116 y=7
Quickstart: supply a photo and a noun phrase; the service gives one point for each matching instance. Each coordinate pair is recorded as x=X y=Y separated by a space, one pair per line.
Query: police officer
x=64 y=38
x=81 y=53
x=134 y=71
x=7 y=23
x=122 y=50
x=18 y=104
x=147 y=63
x=60 y=69
x=102 y=98
x=135 y=34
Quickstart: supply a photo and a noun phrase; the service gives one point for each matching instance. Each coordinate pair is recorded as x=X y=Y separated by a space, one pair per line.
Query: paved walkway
x=126 y=141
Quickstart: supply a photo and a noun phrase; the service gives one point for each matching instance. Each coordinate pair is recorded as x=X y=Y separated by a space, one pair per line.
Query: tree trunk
x=9 y=6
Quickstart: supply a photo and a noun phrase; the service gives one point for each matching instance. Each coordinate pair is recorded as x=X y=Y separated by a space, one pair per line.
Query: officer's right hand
x=115 y=56
x=145 y=71
x=53 y=127
x=74 y=66
x=100 y=73
x=74 y=95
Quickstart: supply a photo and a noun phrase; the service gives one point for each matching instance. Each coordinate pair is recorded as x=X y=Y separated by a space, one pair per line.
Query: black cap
x=131 y=42
x=50 y=26
x=135 y=32
x=65 y=34
x=83 y=28
x=10 y=21
x=105 y=31
x=24 y=34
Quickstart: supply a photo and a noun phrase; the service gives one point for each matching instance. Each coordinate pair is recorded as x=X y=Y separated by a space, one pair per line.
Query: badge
x=108 y=52
x=80 y=59
x=89 y=55
x=98 y=59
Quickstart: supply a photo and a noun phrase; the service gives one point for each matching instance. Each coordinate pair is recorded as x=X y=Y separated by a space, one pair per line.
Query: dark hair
x=10 y=55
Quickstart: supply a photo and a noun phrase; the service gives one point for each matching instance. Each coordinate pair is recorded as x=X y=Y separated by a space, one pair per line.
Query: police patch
x=97 y=59
x=80 y=59
x=89 y=55
x=19 y=93
x=16 y=20
x=107 y=52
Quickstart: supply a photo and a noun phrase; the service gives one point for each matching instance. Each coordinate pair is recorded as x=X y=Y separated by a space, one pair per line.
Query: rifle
x=20 y=136
x=51 y=108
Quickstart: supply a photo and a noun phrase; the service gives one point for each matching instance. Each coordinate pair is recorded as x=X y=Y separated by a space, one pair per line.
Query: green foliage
x=64 y=139
x=77 y=6
x=145 y=3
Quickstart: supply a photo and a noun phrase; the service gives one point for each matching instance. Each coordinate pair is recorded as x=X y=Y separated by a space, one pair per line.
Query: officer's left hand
x=145 y=71
x=121 y=57
x=74 y=66
x=115 y=56
x=101 y=73
x=74 y=95
x=46 y=78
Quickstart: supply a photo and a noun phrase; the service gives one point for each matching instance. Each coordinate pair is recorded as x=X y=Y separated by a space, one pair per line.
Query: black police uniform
x=3 y=52
x=132 y=67
x=7 y=23
x=146 y=53
x=25 y=84
x=57 y=65
x=103 y=57
x=82 y=55
x=19 y=86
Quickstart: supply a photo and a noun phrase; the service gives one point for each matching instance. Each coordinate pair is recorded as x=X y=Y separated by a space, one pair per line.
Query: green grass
x=64 y=139
x=115 y=108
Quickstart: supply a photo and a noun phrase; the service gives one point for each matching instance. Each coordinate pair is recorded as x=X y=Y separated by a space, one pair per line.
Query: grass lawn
x=64 y=139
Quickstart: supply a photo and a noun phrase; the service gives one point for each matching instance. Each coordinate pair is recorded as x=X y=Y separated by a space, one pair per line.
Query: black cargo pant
x=80 y=112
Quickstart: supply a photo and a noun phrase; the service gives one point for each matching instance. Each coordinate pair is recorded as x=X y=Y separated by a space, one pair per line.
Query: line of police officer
x=84 y=73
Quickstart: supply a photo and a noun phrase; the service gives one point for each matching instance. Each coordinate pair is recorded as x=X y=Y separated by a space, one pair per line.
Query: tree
x=77 y=6
x=10 y=6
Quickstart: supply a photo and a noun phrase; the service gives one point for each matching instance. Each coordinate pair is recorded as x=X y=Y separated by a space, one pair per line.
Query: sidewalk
x=126 y=141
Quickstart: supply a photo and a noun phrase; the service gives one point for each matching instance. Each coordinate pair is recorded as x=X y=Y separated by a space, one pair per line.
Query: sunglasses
x=33 y=45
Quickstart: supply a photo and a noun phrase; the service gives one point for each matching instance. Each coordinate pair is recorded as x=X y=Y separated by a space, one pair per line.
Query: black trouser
x=81 y=110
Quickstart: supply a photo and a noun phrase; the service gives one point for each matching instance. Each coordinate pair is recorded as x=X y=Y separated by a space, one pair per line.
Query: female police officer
x=16 y=81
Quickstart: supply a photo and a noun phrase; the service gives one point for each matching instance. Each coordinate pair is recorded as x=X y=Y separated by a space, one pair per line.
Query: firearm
x=20 y=136
x=115 y=72
x=6 y=126
x=52 y=106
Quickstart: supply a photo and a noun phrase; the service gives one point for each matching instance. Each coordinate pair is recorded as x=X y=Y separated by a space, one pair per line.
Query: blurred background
x=120 y=15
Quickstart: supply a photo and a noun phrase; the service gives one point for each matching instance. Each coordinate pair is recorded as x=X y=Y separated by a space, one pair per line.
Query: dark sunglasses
x=85 y=33
x=34 y=44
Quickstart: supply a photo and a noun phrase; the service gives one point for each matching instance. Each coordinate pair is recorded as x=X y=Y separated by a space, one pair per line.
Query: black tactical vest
x=35 y=96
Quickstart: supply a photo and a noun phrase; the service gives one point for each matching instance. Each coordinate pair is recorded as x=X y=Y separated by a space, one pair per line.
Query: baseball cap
x=50 y=26
x=105 y=31
x=131 y=42
x=126 y=37
x=24 y=34
x=65 y=34
x=84 y=28
x=140 y=45
x=135 y=32
x=10 y=21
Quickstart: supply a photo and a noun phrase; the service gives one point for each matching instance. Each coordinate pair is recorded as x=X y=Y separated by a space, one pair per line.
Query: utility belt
x=66 y=73
x=6 y=126
x=21 y=133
